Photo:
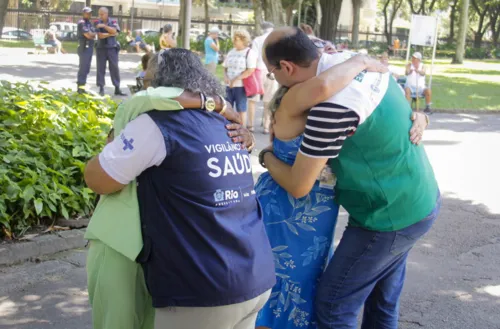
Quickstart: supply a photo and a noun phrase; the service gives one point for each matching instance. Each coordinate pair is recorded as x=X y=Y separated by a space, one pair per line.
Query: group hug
x=182 y=238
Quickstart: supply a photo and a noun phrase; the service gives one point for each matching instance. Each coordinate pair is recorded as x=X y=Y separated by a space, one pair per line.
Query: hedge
x=46 y=137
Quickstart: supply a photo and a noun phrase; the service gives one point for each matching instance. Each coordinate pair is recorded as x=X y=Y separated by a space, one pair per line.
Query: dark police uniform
x=85 y=50
x=107 y=51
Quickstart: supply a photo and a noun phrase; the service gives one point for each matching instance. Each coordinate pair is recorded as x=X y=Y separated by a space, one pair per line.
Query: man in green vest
x=385 y=182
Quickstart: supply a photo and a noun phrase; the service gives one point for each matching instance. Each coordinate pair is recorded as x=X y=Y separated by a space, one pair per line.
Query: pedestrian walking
x=107 y=51
x=212 y=49
x=86 y=35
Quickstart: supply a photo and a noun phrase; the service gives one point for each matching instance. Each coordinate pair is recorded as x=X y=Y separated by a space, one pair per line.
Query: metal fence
x=29 y=20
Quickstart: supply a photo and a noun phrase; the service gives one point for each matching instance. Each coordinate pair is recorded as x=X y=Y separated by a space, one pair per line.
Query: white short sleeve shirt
x=139 y=146
x=237 y=62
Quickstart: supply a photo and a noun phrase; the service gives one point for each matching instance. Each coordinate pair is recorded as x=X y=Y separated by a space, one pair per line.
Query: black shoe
x=81 y=91
x=428 y=110
x=101 y=91
x=118 y=92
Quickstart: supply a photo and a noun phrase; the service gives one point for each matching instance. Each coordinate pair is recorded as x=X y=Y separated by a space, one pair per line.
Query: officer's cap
x=87 y=10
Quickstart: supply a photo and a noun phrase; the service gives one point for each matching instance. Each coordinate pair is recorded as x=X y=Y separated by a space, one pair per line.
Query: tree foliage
x=390 y=10
x=479 y=16
x=495 y=22
x=422 y=7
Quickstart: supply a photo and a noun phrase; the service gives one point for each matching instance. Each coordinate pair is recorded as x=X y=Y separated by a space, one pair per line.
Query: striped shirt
x=328 y=125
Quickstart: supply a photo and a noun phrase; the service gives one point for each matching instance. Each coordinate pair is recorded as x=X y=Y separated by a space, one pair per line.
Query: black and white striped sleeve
x=328 y=125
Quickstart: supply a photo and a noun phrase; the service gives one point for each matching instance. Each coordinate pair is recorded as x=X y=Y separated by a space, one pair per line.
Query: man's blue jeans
x=367 y=268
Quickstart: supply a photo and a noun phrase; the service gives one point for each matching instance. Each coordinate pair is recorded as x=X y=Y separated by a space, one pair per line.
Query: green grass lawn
x=475 y=85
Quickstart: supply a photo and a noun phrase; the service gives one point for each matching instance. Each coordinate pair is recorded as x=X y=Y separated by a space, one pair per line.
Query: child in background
x=140 y=77
x=144 y=63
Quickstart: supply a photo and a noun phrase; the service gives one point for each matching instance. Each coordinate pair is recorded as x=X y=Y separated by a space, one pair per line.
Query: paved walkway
x=453 y=273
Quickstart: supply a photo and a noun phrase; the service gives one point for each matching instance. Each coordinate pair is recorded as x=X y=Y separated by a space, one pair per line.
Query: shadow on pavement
x=452 y=281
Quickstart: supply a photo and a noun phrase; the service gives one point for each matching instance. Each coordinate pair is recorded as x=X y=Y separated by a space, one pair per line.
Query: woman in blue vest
x=206 y=258
x=301 y=230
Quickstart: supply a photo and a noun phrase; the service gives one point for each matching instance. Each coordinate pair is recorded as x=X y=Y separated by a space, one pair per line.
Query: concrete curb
x=14 y=253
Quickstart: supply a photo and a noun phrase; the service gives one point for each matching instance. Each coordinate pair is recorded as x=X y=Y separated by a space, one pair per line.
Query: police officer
x=107 y=51
x=86 y=36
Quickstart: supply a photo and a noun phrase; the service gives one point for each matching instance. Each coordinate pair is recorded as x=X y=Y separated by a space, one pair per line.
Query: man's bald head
x=290 y=44
x=289 y=54
x=103 y=13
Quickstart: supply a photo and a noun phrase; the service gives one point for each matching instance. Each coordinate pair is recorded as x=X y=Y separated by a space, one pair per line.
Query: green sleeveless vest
x=384 y=181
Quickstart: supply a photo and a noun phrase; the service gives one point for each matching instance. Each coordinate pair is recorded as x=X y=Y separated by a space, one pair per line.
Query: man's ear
x=287 y=67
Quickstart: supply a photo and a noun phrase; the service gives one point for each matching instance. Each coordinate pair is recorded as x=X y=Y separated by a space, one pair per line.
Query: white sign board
x=423 y=30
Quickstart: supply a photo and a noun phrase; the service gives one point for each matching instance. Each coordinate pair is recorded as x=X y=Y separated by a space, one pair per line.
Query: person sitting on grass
x=51 y=39
x=140 y=44
x=415 y=82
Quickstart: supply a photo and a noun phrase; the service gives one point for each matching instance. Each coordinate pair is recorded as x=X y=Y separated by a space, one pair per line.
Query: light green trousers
x=117 y=290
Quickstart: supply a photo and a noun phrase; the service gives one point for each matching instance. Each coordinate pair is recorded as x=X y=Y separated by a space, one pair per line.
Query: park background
x=48 y=133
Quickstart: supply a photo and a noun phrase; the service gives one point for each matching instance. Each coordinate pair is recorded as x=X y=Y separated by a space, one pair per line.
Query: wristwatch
x=428 y=120
x=224 y=105
x=261 y=156
x=210 y=104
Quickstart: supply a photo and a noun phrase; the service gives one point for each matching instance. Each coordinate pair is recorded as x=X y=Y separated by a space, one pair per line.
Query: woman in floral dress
x=301 y=230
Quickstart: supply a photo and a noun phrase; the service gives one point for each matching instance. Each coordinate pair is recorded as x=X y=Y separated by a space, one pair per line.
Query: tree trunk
x=257 y=7
x=462 y=33
x=180 y=31
x=453 y=14
x=495 y=25
x=88 y=3
x=330 y=19
x=3 y=12
x=299 y=13
x=274 y=12
x=289 y=15
x=319 y=15
x=207 y=18
x=356 y=11
x=305 y=16
x=187 y=23
x=478 y=39
x=481 y=26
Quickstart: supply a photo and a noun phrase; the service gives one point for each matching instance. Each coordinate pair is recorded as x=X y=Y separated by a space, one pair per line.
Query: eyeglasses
x=319 y=43
x=270 y=75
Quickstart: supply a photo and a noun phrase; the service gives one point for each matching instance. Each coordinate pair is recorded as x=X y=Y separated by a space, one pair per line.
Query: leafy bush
x=444 y=54
x=46 y=137
x=197 y=46
x=476 y=53
x=122 y=40
x=150 y=39
x=224 y=45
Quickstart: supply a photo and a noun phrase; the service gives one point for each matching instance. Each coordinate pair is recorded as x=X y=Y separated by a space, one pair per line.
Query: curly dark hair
x=181 y=68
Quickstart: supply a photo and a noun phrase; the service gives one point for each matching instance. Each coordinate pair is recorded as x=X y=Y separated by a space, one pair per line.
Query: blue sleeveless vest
x=204 y=238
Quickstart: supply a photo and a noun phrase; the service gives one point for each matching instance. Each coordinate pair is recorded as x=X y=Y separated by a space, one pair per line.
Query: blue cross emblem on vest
x=127 y=143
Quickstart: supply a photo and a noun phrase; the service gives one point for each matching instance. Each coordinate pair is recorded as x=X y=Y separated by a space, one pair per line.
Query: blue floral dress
x=301 y=234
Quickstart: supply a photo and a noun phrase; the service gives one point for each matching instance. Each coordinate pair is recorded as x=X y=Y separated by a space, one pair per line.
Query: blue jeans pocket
x=406 y=238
